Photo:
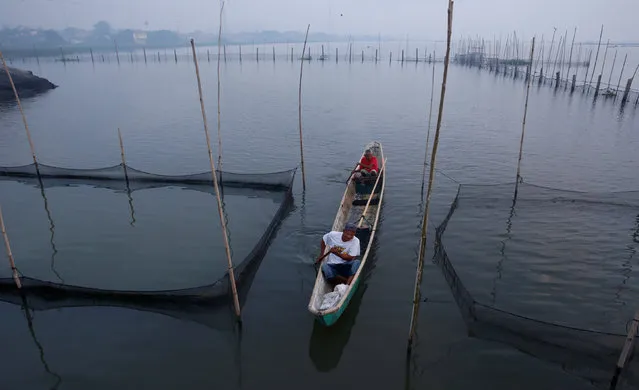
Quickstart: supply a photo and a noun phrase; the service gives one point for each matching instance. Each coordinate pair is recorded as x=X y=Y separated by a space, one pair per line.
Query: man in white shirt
x=341 y=266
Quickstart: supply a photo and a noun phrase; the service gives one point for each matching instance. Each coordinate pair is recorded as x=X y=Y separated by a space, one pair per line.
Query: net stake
x=299 y=110
x=219 y=127
x=422 y=244
x=12 y=263
x=126 y=176
x=523 y=123
x=430 y=116
x=236 y=301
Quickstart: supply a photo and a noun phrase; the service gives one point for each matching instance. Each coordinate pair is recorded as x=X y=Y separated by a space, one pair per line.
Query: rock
x=25 y=81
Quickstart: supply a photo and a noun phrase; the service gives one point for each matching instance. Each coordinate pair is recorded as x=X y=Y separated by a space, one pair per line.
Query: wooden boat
x=361 y=204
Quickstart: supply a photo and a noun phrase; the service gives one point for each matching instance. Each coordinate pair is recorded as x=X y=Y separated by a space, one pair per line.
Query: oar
x=353 y=171
x=319 y=261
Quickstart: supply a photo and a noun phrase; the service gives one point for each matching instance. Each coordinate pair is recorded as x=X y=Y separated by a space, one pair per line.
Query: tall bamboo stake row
x=433 y=157
x=236 y=301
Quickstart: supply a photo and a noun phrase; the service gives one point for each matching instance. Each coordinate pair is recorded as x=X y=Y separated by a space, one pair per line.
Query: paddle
x=319 y=261
x=353 y=171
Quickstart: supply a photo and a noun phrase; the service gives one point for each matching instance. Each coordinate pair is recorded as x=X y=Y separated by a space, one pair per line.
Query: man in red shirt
x=367 y=166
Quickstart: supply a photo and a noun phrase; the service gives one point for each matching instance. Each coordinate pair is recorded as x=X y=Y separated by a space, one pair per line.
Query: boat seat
x=363 y=201
x=365 y=187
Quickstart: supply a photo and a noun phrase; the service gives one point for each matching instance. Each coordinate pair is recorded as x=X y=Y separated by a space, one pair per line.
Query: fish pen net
x=193 y=303
x=550 y=272
x=120 y=176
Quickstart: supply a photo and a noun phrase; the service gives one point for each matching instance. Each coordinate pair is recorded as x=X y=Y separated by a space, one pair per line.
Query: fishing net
x=203 y=304
x=121 y=177
x=549 y=272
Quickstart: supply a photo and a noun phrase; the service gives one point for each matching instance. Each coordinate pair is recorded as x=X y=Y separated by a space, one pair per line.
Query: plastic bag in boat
x=330 y=299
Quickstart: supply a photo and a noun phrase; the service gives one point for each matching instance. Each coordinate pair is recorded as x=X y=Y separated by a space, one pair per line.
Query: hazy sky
x=417 y=18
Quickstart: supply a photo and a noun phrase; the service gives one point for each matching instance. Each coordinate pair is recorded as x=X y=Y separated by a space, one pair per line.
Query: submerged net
x=122 y=177
x=199 y=304
x=549 y=272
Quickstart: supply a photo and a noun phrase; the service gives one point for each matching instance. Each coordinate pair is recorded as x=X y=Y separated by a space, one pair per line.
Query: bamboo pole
x=614 y=61
x=7 y=246
x=554 y=65
x=552 y=42
x=603 y=64
x=523 y=126
x=563 y=53
x=143 y=50
x=299 y=110
x=596 y=57
x=117 y=55
x=91 y=51
x=219 y=127
x=430 y=115
x=587 y=69
x=635 y=72
x=422 y=249
x=236 y=301
x=126 y=175
x=539 y=56
x=623 y=67
x=572 y=45
x=24 y=118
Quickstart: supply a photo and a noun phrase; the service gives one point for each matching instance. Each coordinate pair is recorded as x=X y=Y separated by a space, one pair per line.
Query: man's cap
x=350 y=227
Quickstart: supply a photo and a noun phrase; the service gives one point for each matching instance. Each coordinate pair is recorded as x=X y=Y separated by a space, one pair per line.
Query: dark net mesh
x=119 y=176
x=203 y=304
x=548 y=272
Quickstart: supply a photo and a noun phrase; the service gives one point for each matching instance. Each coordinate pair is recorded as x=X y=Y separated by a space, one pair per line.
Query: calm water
x=570 y=143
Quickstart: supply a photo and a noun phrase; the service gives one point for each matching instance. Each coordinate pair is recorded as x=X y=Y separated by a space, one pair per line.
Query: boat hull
x=331 y=318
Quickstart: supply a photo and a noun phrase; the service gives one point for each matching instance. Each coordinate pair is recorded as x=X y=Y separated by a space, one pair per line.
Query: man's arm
x=343 y=256
x=365 y=166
